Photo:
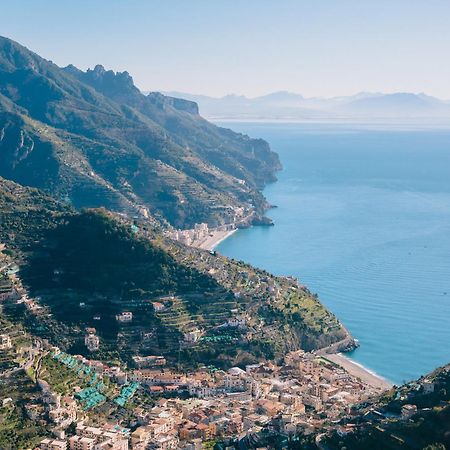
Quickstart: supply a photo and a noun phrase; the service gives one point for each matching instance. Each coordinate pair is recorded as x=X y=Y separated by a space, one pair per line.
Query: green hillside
x=92 y=139
x=85 y=268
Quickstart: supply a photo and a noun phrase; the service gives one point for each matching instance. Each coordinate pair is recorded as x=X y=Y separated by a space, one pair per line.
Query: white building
x=92 y=342
x=125 y=316
x=5 y=342
x=93 y=438
x=237 y=322
x=192 y=336
x=428 y=386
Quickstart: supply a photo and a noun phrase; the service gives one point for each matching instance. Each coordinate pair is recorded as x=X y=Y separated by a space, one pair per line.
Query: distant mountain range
x=290 y=106
x=93 y=139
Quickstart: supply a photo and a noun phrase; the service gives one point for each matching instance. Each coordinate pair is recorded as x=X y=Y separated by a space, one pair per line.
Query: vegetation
x=93 y=139
x=17 y=431
x=87 y=267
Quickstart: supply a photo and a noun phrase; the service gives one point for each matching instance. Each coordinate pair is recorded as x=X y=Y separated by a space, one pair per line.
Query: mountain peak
x=106 y=144
x=105 y=81
x=99 y=72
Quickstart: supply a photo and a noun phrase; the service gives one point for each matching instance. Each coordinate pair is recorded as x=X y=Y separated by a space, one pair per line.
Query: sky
x=249 y=47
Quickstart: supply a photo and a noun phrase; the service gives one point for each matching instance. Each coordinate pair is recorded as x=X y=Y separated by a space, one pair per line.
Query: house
x=408 y=411
x=92 y=342
x=253 y=420
x=110 y=437
x=157 y=427
x=166 y=442
x=53 y=444
x=204 y=430
x=126 y=316
x=203 y=390
x=141 y=436
x=236 y=322
x=156 y=389
x=6 y=401
x=427 y=386
x=155 y=377
x=192 y=336
x=194 y=444
x=81 y=443
x=158 y=306
x=268 y=407
x=63 y=413
x=5 y=342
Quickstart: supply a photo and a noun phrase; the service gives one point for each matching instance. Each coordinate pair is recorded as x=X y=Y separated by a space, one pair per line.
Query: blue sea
x=363 y=219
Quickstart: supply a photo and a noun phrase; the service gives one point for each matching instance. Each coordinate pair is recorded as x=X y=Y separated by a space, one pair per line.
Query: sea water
x=363 y=219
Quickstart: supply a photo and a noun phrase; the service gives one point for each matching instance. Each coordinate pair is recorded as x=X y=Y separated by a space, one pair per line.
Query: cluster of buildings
x=108 y=437
x=199 y=233
x=9 y=282
x=297 y=396
x=196 y=236
x=189 y=409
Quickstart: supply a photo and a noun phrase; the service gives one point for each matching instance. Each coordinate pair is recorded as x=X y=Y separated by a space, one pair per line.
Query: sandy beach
x=359 y=371
x=214 y=239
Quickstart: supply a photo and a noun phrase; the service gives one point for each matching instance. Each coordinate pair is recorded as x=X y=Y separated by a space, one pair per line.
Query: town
x=155 y=406
x=185 y=410
x=202 y=236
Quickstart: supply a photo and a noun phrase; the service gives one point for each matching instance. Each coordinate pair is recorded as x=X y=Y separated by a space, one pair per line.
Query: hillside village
x=155 y=406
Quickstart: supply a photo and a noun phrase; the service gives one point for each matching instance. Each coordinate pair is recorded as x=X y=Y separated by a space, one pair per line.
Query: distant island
x=288 y=106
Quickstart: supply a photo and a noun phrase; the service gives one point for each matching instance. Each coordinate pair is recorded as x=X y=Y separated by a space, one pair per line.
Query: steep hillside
x=181 y=119
x=94 y=140
x=86 y=268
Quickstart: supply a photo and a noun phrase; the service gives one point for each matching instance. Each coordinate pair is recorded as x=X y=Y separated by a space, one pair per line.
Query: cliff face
x=106 y=144
x=248 y=159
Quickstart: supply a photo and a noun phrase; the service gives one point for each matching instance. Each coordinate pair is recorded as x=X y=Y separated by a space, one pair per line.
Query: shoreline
x=358 y=370
x=211 y=242
x=355 y=369
x=367 y=376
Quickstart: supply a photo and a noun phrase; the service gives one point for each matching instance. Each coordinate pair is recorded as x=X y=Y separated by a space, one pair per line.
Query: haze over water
x=363 y=219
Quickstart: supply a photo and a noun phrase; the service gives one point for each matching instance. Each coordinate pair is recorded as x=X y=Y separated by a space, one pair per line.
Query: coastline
x=368 y=377
x=330 y=353
x=215 y=238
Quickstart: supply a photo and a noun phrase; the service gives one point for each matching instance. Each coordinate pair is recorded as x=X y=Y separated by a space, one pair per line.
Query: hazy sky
x=251 y=47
